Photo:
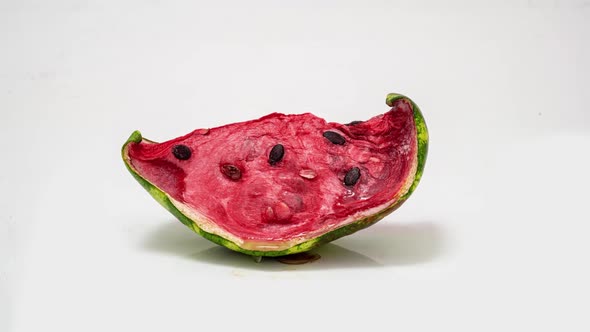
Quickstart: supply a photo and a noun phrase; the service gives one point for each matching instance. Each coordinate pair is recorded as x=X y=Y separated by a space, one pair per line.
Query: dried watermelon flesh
x=284 y=184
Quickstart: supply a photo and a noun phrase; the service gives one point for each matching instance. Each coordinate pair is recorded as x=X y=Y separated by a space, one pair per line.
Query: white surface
x=494 y=239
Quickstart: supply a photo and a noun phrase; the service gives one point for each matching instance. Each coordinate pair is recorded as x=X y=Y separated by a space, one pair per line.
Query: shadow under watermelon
x=388 y=243
x=332 y=257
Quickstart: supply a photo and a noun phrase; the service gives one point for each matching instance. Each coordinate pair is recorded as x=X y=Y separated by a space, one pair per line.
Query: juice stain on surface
x=298 y=259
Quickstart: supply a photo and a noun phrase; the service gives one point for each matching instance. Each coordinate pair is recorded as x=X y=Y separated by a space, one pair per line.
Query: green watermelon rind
x=164 y=199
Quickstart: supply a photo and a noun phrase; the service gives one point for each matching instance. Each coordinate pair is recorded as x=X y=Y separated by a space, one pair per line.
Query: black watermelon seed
x=181 y=152
x=353 y=123
x=231 y=172
x=352 y=176
x=334 y=137
x=276 y=154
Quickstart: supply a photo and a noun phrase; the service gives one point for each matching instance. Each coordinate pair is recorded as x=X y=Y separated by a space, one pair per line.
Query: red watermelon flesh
x=228 y=180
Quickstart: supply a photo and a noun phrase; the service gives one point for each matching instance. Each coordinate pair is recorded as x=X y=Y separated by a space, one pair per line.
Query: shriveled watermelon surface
x=284 y=183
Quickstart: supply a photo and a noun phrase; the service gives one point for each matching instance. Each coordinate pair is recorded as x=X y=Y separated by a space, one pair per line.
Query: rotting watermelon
x=285 y=184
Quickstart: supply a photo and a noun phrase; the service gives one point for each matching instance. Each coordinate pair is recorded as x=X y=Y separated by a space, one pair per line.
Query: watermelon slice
x=284 y=184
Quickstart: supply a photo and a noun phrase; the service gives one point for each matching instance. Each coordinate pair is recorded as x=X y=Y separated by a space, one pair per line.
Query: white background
x=494 y=239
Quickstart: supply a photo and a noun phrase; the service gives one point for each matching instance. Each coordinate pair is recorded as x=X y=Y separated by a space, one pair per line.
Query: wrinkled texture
x=298 y=195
